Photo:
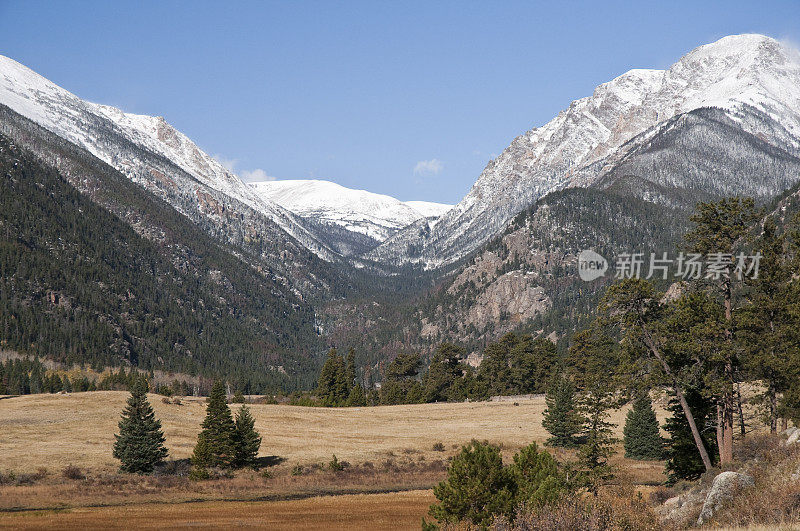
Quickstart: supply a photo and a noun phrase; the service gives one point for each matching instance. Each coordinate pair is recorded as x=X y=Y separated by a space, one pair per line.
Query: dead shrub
x=607 y=512
x=660 y=495
x=73 y=472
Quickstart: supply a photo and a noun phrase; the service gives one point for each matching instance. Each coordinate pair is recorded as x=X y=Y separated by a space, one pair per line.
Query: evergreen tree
x=718 y=229
x=332 y=387
x=246 y=440
x=683 y=457
x=642 y=439
x=767 y=327
x=215 y=441
x=400 y=386
x=357 y=396
x=477 y=487
x=444 y=372
x=562 y=419
x=537 y=478
x=350 y=370
x=140 y=443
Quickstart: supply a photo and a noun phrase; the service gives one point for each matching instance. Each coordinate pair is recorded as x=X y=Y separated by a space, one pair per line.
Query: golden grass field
x=54 y=431
x=57 y=430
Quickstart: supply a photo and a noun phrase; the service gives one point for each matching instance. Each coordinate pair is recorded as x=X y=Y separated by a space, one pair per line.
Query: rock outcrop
x=722 y=490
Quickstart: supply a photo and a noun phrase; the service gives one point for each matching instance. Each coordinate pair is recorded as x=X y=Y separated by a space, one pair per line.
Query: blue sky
x=405 y=98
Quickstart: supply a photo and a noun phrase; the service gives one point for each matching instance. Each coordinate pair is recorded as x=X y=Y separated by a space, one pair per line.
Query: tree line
x=515 y=364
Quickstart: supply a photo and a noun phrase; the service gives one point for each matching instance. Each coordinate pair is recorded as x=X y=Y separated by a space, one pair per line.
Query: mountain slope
x=111 y=275
x=165 y=162
x=752 y=79
x=373 y=216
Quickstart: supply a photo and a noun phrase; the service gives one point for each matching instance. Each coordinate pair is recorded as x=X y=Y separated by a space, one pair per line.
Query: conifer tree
x=642 y=439
x=215 y=441
x=350 y=371
x=562 y=418
x=246 y=440
x=718 y=229
x=477 y=487
x=358 y=397
x=140 y=443
x=683 y=457
x=443 y=373
x=332 y=387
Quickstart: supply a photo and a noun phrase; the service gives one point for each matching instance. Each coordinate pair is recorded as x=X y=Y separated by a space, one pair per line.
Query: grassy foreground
x=390 y=449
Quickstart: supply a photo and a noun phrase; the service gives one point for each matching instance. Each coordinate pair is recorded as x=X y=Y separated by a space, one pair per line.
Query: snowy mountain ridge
x=375 y=215
x=754 y=79
x=80 y=122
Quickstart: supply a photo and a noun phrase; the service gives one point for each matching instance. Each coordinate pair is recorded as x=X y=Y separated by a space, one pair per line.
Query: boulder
x=794 y=438
x=789 y=431
x=723 y=489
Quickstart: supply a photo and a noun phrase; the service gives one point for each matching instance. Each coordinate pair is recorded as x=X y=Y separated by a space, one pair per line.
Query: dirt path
x=402 y=510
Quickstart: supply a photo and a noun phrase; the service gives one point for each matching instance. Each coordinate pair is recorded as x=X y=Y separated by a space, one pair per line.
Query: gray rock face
x=794 y=437
x=723 y=489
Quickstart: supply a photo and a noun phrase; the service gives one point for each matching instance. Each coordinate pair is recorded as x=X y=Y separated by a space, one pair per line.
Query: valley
x=182 y=344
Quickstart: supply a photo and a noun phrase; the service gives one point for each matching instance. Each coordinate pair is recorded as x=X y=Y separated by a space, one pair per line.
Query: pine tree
x=215 y=441
x=561 y=418
x=332 y=387
x=350 y=371
x=642 y=439
x=246 y=440
x=358 y=397
x=477 y=487
x=140 y=443
x=443 y=373
x=719 y=228
x=683 y=456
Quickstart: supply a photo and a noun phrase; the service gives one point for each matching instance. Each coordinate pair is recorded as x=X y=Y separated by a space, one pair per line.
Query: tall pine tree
x=642 y=439
x=561 y=418
x=246 y=440
x=215 y=442
x=140 y=443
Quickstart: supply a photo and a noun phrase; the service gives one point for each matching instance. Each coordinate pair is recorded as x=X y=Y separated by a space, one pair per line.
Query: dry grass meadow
x=57 y=430
x=390 y=450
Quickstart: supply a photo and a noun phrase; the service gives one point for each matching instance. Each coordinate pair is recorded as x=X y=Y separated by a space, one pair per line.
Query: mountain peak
x=742 y=75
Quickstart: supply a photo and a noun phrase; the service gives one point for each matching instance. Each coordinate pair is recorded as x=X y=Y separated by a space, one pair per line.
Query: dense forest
x=80 y=286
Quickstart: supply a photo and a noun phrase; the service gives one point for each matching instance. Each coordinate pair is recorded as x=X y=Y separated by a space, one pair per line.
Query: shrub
x=438 y=447
x=199 y=473
x=477 y=487
x=73 y=472
x=606 y=512
x=334 y=464
x=297 y=470
x=537 y=478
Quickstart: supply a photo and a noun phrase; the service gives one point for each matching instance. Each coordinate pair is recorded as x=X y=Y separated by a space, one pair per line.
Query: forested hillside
x=80 y=285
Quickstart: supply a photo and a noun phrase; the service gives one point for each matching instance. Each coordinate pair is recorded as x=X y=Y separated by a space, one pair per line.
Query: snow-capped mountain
x=138 y=146
x=375 y=216
x=752 y=83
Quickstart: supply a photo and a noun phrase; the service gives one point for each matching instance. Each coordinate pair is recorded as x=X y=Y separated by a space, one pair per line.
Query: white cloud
x=246 y=175
x=256 y=175
x=228 y=164
x=428 y=167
